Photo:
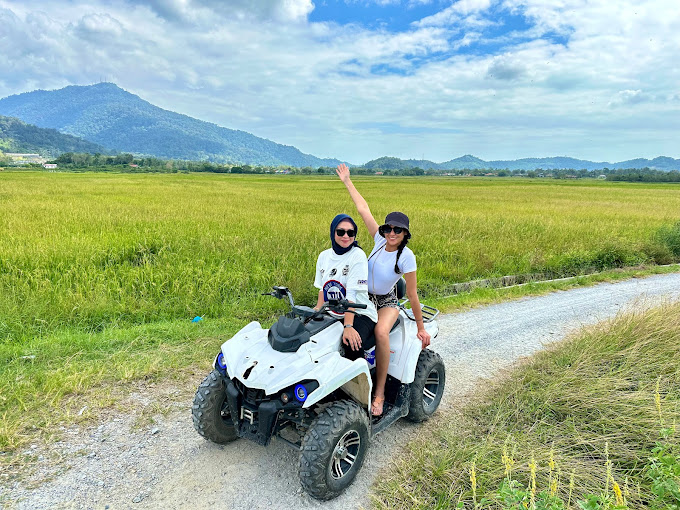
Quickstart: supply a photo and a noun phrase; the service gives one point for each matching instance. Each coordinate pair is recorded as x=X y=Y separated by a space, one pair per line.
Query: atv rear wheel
x=210 y=410
x=333 y=449
x=428 y=386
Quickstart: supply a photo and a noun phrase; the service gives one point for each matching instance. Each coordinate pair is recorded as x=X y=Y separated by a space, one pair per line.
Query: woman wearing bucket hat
x=388 y=261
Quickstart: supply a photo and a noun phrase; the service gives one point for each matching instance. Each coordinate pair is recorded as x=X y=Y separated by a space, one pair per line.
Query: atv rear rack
x=429 y=313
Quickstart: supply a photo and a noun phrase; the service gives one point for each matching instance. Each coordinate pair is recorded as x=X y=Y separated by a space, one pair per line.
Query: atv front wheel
x=428 y=386
x=210 y=410
x=333 y=449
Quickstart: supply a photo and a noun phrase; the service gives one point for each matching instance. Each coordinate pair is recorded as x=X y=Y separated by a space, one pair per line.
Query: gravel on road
x=115 y=464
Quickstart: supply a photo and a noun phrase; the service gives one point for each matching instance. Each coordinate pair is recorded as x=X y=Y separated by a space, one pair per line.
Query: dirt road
x=167 y=465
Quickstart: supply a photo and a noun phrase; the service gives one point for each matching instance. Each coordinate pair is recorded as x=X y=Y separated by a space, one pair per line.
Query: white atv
x=292 y=381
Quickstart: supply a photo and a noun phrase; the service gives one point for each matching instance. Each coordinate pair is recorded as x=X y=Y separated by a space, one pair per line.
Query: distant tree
x=123 y=159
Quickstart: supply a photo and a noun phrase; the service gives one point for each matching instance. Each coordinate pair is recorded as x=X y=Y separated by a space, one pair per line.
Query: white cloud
x=466 y=7
x=503 y=68
x=270 y=10
x=589 y=79
x=384 y=3
x=461 y=11
x=98 y=27
x=630 y=97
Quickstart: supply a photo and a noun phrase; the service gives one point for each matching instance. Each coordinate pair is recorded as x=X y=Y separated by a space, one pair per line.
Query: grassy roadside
x=589 y=423
x=46 y=383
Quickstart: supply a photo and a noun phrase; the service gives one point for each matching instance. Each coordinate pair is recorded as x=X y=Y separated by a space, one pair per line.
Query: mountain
x=121 y=121
x=17 y=136
x=466 y=162
x=469 y=162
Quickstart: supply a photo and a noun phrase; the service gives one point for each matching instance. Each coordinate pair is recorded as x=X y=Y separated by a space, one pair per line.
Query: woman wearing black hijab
x=342 y=273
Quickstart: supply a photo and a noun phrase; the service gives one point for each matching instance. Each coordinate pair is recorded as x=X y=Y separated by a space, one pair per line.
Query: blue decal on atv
x=333 y=289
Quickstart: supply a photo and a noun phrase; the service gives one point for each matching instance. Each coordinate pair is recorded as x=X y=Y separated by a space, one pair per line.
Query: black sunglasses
x=341 y=232
x=386 y=229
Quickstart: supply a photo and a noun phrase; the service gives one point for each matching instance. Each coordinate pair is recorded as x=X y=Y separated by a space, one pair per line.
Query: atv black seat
x=396 y=323
x=287 y=335
x=401 y=288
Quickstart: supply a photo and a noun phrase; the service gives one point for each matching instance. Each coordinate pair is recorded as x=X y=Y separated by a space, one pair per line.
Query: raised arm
x=359 y=202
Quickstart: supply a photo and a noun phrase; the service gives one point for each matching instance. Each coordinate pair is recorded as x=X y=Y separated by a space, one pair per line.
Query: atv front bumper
x=256 y=422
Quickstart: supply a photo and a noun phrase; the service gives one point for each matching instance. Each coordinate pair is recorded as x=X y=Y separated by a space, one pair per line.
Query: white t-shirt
x=345 y=277
x=381 y=275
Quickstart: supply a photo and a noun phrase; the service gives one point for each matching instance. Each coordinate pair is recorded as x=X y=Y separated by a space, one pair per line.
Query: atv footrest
x=393 y=412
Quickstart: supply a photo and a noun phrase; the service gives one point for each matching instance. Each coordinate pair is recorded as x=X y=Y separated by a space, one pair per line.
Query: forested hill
x=17 y=136
x=473 y=163
x=121 y=121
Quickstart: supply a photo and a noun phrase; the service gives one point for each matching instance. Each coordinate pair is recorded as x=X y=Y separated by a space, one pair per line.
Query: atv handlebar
x=280 y=293
x=342 y=305
x=333 y=305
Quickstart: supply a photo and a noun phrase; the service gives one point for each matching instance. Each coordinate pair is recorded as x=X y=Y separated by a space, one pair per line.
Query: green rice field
x=101 y=267
x=93 y=250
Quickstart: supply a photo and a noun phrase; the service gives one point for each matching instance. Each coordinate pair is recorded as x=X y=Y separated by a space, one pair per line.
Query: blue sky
x=390 y=16
x=360 y=79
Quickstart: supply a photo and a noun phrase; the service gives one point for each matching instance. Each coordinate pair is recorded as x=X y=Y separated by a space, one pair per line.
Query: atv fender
x=338 y=372
x=412 y=353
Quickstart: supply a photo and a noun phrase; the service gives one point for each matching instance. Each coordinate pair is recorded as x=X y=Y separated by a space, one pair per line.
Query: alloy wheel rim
x=431 y=388
x=345 y=454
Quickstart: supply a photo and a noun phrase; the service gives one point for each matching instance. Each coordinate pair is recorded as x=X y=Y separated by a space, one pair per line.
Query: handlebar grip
x=342 y=305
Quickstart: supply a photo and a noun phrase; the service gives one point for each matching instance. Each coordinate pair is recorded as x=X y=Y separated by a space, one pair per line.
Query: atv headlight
x=301 y=393
x=220 y=364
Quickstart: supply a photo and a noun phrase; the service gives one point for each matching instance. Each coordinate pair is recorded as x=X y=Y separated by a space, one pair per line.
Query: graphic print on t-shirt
x=333 y=289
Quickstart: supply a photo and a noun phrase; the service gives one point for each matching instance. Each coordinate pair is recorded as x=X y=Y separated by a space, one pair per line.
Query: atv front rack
x=429 y=313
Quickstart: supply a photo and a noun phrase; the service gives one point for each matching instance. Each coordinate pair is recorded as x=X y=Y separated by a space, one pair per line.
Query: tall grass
x=571 y=421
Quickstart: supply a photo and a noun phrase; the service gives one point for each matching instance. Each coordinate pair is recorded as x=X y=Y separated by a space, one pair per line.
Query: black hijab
x=334 y=224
